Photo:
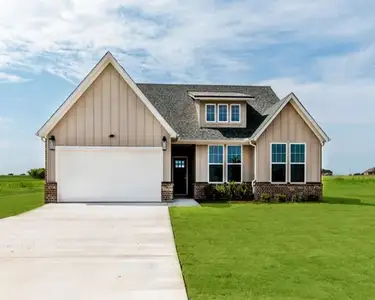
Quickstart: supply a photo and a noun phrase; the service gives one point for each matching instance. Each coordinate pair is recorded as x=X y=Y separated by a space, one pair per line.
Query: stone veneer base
x=50 y=192
x=302 y=190
x=166 y=191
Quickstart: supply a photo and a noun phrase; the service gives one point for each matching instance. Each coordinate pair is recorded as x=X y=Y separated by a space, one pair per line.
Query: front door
x=180 y=176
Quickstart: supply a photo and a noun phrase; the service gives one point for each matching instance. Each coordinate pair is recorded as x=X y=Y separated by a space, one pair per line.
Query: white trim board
x=108 y=58
x=301 y=110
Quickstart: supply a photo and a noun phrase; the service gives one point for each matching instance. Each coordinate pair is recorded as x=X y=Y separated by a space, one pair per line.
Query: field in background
x=282 y=251
x=19 y=194
x=349 y=189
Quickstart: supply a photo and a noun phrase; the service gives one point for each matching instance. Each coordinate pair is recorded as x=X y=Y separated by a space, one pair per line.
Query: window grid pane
x=215 y=154
x=234 y=154
x=215 y=173
x=278 y=153
x=235 y=113
x=223 y=113
x=297 y=153
x=210 y=113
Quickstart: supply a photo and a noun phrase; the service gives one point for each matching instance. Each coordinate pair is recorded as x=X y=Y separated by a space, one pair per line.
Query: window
x=216 y=163
x=223 y=112
x=297 y=163
x=235 y=113
x=234 y=163
x=210 y=113
x=278 y=163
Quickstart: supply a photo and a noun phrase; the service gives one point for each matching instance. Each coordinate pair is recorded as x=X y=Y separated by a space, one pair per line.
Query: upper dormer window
x=223 y=112
x=235 y=113
x=211 y=113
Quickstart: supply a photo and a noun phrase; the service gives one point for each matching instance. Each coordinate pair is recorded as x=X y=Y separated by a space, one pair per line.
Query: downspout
x=252 y=143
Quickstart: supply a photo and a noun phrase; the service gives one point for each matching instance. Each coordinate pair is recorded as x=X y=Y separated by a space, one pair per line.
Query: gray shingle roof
x=178 y=109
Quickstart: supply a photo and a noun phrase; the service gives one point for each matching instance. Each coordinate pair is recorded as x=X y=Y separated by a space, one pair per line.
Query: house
x=117 y=140
x=370 y=171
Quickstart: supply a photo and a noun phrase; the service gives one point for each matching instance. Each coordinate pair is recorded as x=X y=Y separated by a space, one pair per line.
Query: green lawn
x=282 y=251
x=19 y=194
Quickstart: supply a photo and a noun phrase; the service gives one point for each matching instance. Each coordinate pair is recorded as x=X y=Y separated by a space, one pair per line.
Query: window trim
x=208 y=163
x=290 y=163
x=228 y=164
x=286 y=162
x=239 y=111
x=218 y=113
x=209 y=104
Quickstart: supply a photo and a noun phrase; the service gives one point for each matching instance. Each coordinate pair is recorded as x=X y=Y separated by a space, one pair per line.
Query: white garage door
x=109 y=174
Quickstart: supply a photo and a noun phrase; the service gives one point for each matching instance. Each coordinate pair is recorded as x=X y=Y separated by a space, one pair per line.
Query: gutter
x=253 y=143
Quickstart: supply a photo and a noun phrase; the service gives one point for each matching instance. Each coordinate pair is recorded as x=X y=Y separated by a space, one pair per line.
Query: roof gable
x=274 y=111
x=86 y=83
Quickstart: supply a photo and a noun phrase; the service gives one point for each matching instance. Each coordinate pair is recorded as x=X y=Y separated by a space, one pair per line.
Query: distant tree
x=37 y=173
x=327 y=172
x=10 y=174
x=23 y=174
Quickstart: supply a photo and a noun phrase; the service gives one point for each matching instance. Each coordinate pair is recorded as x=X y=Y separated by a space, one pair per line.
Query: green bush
x=280 y=198
x=265 y=198
x=246 y=192
x=208 y=191
x=10 y=174
x=37 y=173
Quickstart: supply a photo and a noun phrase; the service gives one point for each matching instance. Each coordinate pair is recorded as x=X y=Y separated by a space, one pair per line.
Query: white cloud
x=11 y=78
x=177 y=37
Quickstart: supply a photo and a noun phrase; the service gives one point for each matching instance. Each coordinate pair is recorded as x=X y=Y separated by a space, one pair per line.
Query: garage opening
x=109 y=174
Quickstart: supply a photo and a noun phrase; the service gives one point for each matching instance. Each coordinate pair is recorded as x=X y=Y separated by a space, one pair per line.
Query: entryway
x=183 y=170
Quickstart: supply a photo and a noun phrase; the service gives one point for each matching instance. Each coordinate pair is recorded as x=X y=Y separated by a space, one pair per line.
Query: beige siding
x=202 y=114
x=289 y=127
x=248 y=163
x=109 y=106
x=202 y=163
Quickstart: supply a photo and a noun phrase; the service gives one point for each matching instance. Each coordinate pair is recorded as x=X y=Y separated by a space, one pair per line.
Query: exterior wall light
x=51 y=142
x=164 y=143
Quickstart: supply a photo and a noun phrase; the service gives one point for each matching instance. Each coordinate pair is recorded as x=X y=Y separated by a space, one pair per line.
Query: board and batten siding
x=109 y=106
x=201 y=161
x=289 y=127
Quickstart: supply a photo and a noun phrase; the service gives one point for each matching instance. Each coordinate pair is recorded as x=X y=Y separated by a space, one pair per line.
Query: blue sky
x=324 y=51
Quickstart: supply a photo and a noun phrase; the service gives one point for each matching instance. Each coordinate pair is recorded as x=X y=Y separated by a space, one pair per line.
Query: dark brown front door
x=180 y=176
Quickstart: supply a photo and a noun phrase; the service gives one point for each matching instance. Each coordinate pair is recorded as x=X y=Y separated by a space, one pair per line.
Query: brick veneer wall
x=303 y=190
x=199 y=190
x=50 y=192
x=166 y=191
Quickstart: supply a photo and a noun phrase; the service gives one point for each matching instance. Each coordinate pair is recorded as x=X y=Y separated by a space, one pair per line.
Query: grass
x=282 y=251
x=19 y=194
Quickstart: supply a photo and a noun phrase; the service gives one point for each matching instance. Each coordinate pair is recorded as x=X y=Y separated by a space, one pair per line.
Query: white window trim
x=290 y=163
x=239 y=111
x=208 y=160
x=286 y=162
x=218 y=113
x=210 y=104
x=228 y=164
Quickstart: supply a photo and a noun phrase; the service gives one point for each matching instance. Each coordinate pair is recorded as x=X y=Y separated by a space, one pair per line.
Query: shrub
x=10 y=174
x=23 y=174
x=221 y=192
x=265 y=198
x=209 y=192
x=246 y=192
x=296 y=199
x=37 y=173
x=280 y=198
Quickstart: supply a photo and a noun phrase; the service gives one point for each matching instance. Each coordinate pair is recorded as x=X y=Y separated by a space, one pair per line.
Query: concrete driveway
x=82 y=251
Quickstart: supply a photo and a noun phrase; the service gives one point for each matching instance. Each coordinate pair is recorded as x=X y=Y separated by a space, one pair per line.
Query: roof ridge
x=208 y=84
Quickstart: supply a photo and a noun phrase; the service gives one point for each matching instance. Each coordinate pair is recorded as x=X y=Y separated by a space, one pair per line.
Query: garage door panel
x=110 y=174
